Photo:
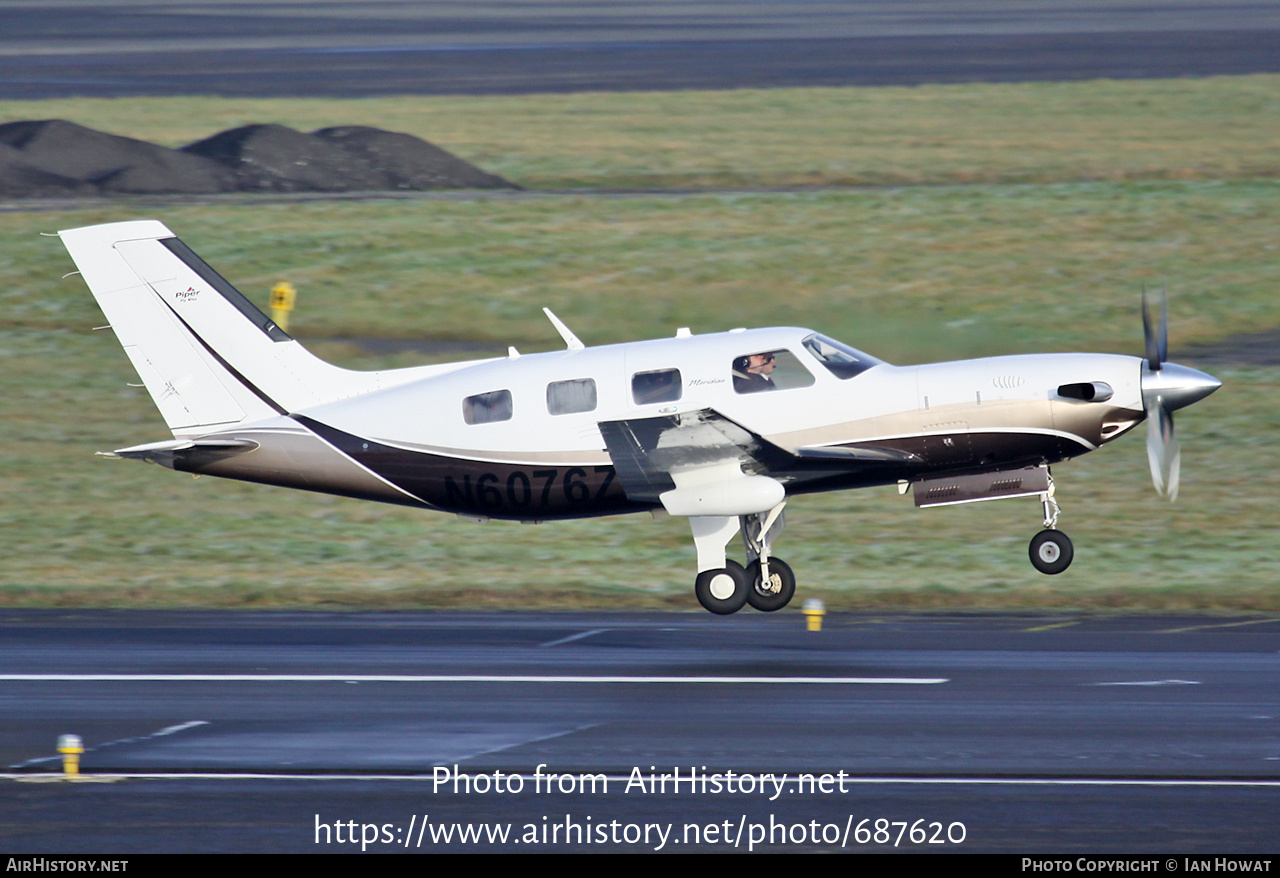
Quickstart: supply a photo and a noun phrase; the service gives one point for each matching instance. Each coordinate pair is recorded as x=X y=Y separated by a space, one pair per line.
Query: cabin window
x=569 y=397
x=485 y=408
x=662 y=385
x=841 y=360
x=769 y=370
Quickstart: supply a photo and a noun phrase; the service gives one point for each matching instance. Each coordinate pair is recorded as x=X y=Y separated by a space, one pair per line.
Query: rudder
x=207 y=355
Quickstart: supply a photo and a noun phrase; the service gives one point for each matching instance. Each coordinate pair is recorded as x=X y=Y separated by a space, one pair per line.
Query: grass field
x=1217 y=128
x=1049 y=207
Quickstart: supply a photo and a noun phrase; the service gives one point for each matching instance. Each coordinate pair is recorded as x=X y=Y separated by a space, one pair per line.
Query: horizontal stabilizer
x=188 y=450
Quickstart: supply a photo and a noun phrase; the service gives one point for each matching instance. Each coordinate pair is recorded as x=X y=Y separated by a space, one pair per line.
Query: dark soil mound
x=111 y=163
x=348 y=159
x=273 y=158
x=409 y=162
x=56 y=159
x=21 y=179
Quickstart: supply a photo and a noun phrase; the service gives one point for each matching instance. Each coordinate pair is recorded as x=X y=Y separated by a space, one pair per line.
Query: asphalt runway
x=350 y=49
x=210 y=731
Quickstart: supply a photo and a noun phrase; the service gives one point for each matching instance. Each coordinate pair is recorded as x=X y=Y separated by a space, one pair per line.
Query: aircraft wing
x=653 y=456
x=647 y=451
x=863 y=454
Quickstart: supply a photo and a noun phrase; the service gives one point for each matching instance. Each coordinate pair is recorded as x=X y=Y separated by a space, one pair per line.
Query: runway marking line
x=523 y=742
x=454 y=678
x=162 y=733
x=581 y=635
x=1053 y=625
x=1218 y=625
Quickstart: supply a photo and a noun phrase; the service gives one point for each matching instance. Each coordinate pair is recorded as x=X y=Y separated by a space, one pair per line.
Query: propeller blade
x=1163 y=453
x=1156 y=336
x=1166 y=387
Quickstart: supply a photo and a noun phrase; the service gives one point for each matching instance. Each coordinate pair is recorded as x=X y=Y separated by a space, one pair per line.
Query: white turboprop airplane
x=718 y=428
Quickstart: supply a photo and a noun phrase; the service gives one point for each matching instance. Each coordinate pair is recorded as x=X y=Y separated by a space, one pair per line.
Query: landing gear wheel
x=777 y=593
x=1051 y=551
x=723 y=591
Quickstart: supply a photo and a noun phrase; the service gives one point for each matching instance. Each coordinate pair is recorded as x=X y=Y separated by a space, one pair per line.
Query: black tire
x=1051 y=551
x=718 y=595
x=783 y=579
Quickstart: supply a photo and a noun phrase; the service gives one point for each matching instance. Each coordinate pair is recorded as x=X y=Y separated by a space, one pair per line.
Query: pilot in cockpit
x=753 y=373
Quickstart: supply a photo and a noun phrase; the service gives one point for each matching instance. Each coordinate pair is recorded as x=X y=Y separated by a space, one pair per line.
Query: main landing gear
x=724 y=586
x=723 y=591
x=775 y=591
x=1051 y=551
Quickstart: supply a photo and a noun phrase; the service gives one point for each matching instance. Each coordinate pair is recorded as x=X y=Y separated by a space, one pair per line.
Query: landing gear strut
x=724 y=586
x=1050 y=551
x=772 y=582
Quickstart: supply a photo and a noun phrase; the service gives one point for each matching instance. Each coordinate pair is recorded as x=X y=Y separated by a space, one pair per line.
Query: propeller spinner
x=1166 y=387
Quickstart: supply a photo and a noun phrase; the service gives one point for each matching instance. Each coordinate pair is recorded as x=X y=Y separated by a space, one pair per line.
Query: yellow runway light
x=70 y=746
x=814 y=609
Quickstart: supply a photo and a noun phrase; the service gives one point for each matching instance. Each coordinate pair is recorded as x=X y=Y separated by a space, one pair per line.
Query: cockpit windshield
x=841 y=360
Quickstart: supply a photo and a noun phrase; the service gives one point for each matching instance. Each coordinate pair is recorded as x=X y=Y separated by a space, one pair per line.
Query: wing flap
x=651 y=455
x=655 y=456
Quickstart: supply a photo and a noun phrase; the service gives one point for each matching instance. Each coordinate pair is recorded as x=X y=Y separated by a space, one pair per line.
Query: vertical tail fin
x=207 y=355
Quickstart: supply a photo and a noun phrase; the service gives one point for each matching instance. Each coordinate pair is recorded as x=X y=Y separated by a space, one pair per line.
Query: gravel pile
x=408 y=162
x=58 y=159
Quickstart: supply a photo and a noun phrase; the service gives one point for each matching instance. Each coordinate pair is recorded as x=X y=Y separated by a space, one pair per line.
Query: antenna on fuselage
x=572 y=342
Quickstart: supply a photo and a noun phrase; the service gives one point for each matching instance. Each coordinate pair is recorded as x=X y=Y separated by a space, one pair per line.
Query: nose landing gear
x=1050 y=550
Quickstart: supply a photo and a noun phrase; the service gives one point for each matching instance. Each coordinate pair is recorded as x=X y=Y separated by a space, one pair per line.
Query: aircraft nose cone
x=1177 y=386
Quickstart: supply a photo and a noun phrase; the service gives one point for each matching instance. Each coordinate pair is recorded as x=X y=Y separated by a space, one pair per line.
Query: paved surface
x=84 y=47
x=1037 y=733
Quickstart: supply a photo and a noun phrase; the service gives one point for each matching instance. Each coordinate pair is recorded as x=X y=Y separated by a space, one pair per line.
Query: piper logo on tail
x=188 y=294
